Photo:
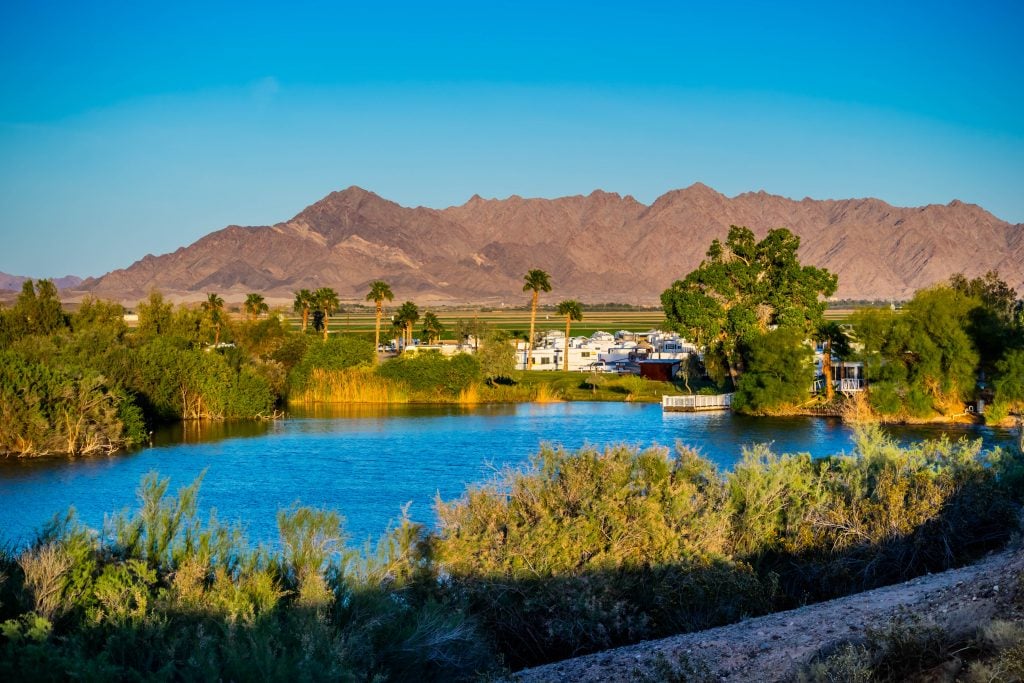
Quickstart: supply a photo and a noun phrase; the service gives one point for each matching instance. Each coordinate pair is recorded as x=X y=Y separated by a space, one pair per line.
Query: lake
x=368 y=462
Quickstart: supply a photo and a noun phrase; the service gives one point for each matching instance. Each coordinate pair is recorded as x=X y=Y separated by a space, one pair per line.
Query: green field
x=514 y=321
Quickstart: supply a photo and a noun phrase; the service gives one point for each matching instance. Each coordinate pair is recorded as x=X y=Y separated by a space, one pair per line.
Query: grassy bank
x=365 y=385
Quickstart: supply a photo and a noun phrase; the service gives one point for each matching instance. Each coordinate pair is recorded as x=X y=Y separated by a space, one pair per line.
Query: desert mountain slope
x=599 y=247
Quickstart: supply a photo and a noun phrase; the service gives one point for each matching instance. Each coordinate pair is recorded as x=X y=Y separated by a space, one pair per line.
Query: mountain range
x=602 y=247
x=12 y=283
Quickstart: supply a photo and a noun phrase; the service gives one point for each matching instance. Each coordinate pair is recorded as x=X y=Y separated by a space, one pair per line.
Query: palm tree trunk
x=305 y=318
x=533 y=322
x=327 y=323
x=376 y=333
x=565 y=361
x=216 y=334
x=826 y=369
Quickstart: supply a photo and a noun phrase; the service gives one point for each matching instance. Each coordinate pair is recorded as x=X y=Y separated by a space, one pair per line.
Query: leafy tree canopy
x=746 y=288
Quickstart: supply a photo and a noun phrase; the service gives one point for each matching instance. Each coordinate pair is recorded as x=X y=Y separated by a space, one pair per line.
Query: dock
x=692 y=403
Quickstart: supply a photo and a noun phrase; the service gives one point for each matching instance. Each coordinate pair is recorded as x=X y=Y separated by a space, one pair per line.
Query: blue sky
x=129 y=128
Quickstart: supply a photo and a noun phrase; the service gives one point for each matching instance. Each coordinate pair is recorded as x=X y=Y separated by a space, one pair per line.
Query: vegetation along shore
x=576 y=552
x=751 y=314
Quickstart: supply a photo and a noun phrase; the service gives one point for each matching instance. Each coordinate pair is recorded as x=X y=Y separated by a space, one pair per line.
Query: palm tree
x=432 y=327
x=214 y=307
x=833 y=340
x=408 y=313
x=254 y=305
x=572 y=310
x=536 y=281
x=379 y=291
x=303 y=302
x=326 y=301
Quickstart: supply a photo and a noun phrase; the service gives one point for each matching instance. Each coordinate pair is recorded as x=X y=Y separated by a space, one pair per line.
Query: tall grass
x=349 y=385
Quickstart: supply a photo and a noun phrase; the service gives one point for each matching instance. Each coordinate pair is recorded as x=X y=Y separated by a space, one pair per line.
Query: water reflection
x=207 y=431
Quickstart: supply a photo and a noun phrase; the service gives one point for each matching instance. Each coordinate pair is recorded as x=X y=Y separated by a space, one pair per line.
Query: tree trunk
x=327 y=323
x=376 y=333
x=305 y=318
x=533 y=322
x=565 y=361
x=826 y=369
x=216 y=334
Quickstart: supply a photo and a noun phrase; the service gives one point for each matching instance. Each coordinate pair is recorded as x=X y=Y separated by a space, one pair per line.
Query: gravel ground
x=774 y=647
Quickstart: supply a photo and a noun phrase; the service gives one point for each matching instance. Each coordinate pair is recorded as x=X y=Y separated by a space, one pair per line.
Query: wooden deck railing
x=697 y=402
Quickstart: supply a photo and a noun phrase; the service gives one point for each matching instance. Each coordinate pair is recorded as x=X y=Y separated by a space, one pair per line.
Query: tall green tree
x=37 y=309
x=572 y=310
x=214 y=308
x=745 y=288
x=303 y=303
x=535 y=281
x=155 y=315
x=407 y=315
x=380 y=292
x=923 y=359
x=432 y=327
x=255 y=305
x=326 y=301
x=995 y=326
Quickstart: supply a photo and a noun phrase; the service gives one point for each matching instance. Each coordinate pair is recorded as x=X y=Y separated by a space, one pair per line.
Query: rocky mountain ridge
x=599 y=247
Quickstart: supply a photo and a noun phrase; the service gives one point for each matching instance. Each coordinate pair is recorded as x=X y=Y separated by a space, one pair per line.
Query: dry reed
x=351 y=385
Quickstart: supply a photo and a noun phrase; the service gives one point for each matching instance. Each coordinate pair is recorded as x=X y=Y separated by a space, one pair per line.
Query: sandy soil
x=774 y=647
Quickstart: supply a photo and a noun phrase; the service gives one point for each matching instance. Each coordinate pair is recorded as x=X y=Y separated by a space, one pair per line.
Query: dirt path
x=773 y=647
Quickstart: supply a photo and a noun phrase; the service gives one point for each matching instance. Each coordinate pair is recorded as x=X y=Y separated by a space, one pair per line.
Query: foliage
x=164 y=595
x=432 y=372
x=214 y=309
x=380 y=292
x=37 y=311
x=52 y=409
x=404 y=319
x=337 y=353
x=535 y=281
x=923 y=360
x=432 y=327
x=779 y=372
x=255 y=305
x=496 y=355
x=154 y=315
x=1009 y=382
x=303 y=303
x=591 y=549
x=744 y=288
x=173 y=381
x=995 y=323
x=326 y=302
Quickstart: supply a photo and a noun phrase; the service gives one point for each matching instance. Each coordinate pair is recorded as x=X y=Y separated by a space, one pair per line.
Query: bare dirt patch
x=775 y=647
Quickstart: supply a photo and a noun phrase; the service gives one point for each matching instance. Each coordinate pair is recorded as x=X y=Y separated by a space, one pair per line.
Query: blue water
x=369 y=462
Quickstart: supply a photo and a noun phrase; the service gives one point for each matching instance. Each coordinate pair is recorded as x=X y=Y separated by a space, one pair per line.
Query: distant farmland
x=515 y=321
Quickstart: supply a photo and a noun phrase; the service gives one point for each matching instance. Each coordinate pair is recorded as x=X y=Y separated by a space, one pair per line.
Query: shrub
x=337 y=353
x=47 y=409
x=432 y=372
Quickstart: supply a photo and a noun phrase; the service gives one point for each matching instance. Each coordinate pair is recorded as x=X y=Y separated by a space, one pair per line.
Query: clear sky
x=136 y=127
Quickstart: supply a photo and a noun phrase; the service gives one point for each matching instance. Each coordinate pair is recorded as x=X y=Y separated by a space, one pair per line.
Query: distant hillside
x=599 y=247
x=12 y=283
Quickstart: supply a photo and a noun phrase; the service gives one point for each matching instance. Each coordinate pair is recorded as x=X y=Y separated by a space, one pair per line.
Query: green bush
x=337 y=353
x=778 y=372
x=46 y=409
x=429 y=372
